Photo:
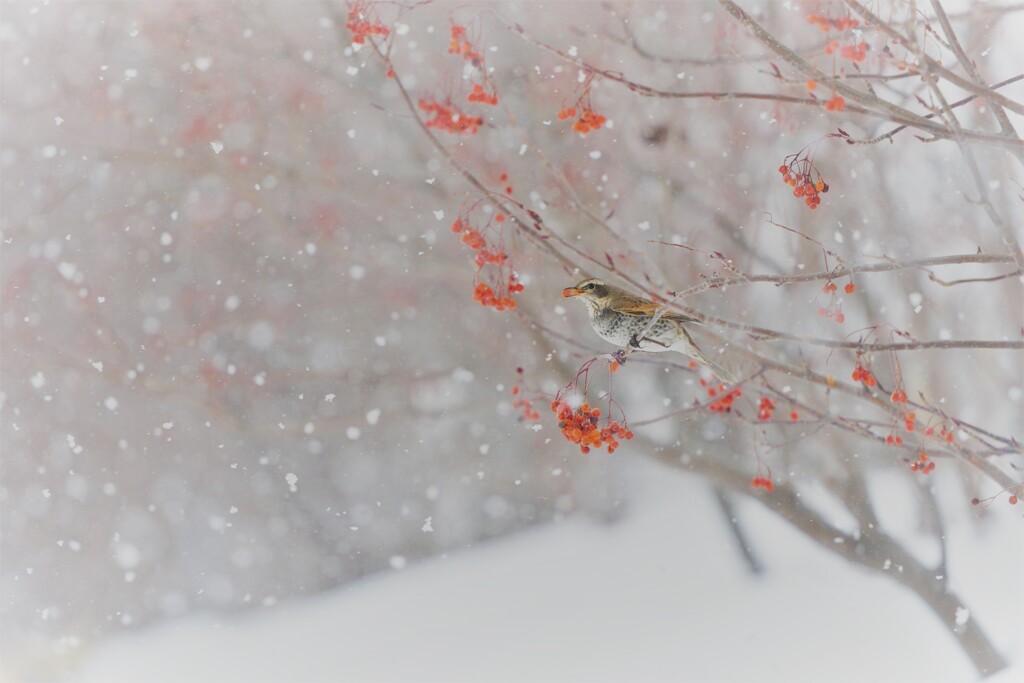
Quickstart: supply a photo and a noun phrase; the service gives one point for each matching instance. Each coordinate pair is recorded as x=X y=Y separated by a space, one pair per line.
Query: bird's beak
x=571 y=291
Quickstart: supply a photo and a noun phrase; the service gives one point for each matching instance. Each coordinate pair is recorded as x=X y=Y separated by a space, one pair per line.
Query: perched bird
x=620 y=318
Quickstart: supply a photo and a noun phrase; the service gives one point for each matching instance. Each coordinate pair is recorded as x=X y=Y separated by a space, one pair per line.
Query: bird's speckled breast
x=618 y=328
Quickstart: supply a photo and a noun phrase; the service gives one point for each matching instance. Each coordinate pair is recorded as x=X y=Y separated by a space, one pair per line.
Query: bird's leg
x=635 y=343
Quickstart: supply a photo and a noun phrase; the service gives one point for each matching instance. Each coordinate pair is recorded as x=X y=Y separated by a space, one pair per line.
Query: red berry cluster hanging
x=460 y=44
x=723 y=399
x=589 y=120
x=922 y=465
x=360 y=24
x=580 y=427
x=495 y=280
x=522 y=404
x=835 y=307
x=799 y=172
x=863 y=375
x=449 y=118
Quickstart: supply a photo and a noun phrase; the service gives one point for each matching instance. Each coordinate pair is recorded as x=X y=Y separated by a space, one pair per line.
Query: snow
x=261 y=335
x=657 y=596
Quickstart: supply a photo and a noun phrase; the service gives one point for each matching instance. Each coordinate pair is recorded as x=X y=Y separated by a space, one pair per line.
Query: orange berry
x=837 y=103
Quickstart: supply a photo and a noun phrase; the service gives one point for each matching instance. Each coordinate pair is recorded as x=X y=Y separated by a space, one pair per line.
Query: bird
x=620 y=318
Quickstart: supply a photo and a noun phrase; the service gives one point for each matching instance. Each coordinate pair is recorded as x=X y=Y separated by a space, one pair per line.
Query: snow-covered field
x=660 y=595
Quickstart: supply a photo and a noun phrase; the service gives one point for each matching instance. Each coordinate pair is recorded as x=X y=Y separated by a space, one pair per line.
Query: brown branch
x=931 y=64
x=912 y=120
x=954 y=43
x=841 y=271
x=804 y=67
x=954 y=105
x=944 y=344
x=869 y=547
x=928 y=74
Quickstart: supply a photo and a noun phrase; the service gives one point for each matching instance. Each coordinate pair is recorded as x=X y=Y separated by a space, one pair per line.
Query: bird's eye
x=589 y=285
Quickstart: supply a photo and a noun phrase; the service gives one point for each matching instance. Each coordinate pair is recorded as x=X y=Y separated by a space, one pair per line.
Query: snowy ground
x=658 y=596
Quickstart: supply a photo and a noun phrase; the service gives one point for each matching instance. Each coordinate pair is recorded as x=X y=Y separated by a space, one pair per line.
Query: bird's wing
x=642 y=308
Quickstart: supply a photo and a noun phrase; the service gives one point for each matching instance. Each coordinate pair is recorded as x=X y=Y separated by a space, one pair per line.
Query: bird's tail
x=694 y=352
x=723 y=375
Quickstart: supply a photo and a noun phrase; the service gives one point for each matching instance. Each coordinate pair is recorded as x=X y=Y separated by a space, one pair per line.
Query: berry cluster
x=763 y=483
x=472 y=238
x=360 y=26
x=485 y=296
x=828 y=24
x=449 y=118
x=766 y=409
x=723 y=399
x=836 y=103
x=528 y=412
x=893 y=440
x=854 y=52
x=863 y=375
x=484 y=257
x=580 y=426
x=944 y=434
x=908 y=421
x=799 y=172
x=835 y=309
x=481 y=96
x=898 y=396
x=589 y=119
x=460 y=44
x=487 y=253
x=524 y=405
x=922 y=464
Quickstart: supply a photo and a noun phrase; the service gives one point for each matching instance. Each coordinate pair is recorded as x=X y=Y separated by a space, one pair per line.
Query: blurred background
x=242 y=370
